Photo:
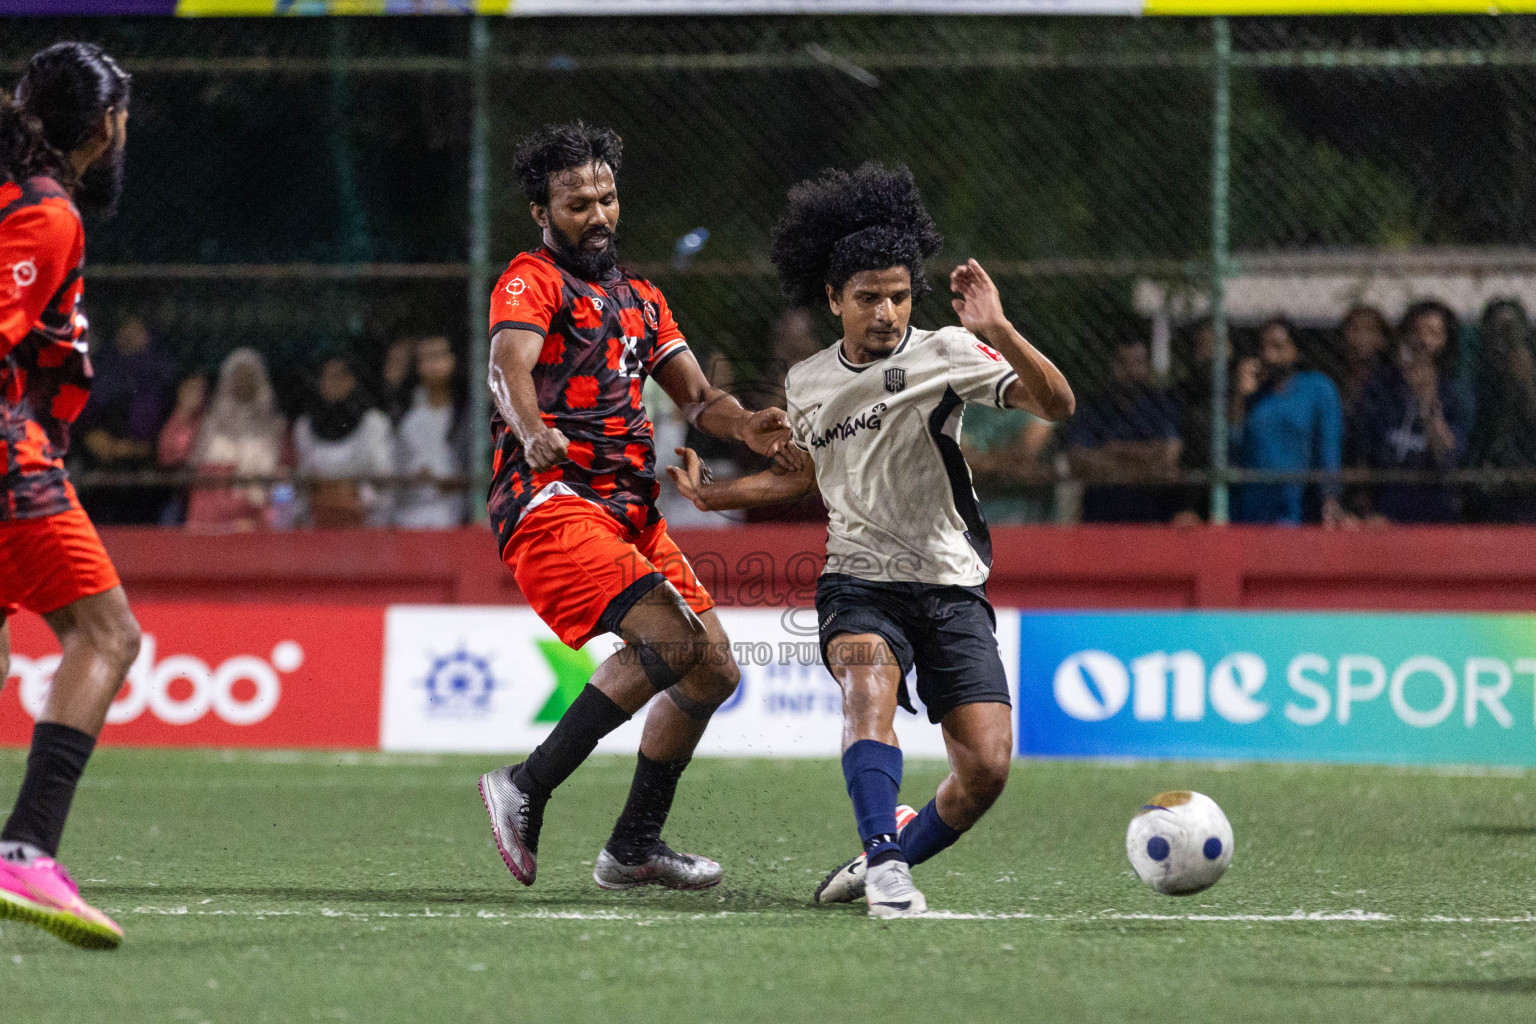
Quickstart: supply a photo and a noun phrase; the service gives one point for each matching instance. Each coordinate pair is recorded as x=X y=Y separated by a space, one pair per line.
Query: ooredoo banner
x=1302 y=687
x=223 y=675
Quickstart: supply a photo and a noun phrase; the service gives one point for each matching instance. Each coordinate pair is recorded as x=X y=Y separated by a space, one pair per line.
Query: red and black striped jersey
x=601 y=340
x=45 y=372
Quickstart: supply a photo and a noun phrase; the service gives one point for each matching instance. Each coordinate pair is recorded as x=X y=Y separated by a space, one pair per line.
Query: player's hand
x=545 y=449
x=979 y=306
x=1249 y=375
x=767 y=433
x=690 y=477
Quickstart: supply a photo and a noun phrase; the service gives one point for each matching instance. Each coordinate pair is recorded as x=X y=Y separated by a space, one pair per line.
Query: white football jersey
x=885 y=440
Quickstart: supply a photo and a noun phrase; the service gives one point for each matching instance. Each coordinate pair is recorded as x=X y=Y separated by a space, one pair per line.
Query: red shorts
x=582 y=570
x=50 y=562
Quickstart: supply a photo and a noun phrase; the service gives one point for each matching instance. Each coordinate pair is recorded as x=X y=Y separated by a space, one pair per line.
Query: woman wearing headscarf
x=242 y=435
x=432 y=442
x=340 y=442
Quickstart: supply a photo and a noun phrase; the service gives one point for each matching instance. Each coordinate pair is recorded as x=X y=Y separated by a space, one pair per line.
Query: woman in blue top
x=1287 y=419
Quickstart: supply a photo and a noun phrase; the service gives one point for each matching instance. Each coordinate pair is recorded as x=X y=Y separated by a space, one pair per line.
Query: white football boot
x=889 y=889
x=846 y=882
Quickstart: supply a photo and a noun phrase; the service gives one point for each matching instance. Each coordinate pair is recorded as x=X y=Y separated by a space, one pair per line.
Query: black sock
x=638 y=829
x=591 y=716
x=54 y=766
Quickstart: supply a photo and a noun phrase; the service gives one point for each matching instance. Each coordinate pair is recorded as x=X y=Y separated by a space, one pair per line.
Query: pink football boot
x=43 y=894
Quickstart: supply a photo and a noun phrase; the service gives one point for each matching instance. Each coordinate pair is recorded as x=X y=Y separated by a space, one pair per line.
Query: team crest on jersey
x=895 y=379
x=650 y=316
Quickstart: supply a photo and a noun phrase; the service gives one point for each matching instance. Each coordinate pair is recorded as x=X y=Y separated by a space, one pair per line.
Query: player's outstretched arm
x=770 y=487
x=513 y=355
x=1041 y=388
x=717 y=412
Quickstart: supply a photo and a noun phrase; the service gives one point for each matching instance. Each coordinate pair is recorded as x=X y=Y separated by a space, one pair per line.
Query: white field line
x=1353 y=916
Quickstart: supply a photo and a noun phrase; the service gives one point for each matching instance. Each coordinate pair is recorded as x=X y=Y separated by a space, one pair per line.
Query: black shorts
x=948 y=632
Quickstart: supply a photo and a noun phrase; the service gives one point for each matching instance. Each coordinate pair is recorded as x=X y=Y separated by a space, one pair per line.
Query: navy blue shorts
x=949 y=633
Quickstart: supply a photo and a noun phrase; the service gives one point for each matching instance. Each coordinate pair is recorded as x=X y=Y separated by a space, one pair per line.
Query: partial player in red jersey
x=61 y=143
x=573 y=503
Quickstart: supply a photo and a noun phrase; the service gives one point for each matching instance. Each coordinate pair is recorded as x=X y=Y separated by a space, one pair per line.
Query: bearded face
x=591 y=257
x=101 y=186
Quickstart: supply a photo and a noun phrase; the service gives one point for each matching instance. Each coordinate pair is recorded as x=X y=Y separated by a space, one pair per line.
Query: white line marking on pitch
x=1353 y=916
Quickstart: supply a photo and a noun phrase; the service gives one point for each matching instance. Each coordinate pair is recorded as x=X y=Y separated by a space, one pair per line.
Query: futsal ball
x=1179 y=843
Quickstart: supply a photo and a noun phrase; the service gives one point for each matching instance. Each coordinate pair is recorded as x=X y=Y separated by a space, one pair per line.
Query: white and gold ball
x=1180 y=842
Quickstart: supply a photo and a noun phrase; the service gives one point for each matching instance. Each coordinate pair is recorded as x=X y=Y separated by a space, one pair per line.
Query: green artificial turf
x=359 y=887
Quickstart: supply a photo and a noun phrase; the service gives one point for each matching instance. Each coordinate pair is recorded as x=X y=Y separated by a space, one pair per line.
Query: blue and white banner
x=1399 y=688
x=496 y=679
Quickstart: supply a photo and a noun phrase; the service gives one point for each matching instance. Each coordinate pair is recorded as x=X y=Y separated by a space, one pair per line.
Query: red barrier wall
x=1446 y=568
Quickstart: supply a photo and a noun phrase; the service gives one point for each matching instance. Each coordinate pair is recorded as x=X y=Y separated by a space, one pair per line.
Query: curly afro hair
x=840 y=224
x=559 y=147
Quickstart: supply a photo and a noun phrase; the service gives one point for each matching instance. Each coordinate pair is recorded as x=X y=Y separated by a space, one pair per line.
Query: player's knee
x=116 y=638
x=668 y=661
x=718 y=674
x=986 y=777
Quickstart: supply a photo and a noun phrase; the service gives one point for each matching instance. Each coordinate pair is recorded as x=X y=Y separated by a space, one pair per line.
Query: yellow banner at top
x=262 y=8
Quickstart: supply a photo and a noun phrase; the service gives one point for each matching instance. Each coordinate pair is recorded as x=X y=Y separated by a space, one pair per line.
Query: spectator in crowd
x=339 y=442
x=1433 y=326
x=1364 y=355
x=397 y=384
x=1006 y=448
x=1366 y=337
x=242 y=435
x=1130 y=430
x=1416 y=418
x=173 y=450
x=120 y=424
x=432 y=442
x=1284 y=418
x=1504 y=435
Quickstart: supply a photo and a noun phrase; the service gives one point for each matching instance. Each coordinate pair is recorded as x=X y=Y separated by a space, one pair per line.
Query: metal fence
x=317 y=187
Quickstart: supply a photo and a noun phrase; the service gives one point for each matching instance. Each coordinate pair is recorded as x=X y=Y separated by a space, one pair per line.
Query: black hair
x=842 y=223
x=1279 y=321
x=23 y=153
x=1450 y=357
x=1369 y=312
x=560 y=147
x=60 y=99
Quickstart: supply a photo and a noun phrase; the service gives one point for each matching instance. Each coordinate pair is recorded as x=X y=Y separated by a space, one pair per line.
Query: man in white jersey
x=908 y=551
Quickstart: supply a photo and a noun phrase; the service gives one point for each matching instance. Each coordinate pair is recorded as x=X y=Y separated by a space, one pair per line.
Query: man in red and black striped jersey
x=573 y=503
x=61 y=142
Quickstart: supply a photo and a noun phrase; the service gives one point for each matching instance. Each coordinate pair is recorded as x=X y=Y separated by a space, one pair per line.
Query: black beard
x=584 y=263
x=101 y=186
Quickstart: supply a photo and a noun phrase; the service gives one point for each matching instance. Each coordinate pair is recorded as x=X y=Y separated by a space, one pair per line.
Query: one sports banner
x=1421 y=689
